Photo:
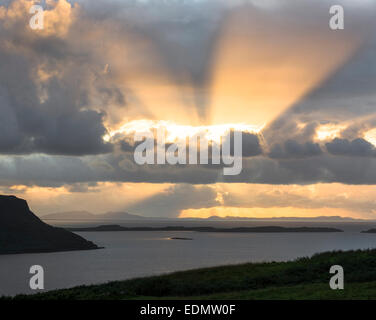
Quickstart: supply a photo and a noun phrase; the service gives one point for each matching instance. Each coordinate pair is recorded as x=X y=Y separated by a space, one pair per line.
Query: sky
x=73 y=94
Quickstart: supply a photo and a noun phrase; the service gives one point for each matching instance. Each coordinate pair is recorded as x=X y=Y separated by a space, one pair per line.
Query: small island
x=23 y=232
x=369 y=231
x=270 y=229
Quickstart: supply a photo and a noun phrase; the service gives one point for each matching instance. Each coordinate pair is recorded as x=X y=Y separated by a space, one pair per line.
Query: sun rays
x=246 y=78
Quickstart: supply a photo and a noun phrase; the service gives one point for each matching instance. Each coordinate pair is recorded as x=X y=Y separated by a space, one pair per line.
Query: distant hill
x=87 y=216
x=23 y=232
x=369 y=231
x=122 y=215
x=118 y=216
x=319 y=218
x=71 y=215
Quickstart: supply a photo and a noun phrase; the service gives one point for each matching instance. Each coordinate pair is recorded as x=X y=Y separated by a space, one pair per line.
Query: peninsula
x=23 y=232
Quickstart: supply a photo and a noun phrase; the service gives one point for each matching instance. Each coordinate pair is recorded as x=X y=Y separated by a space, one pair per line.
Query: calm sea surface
x=136 y=254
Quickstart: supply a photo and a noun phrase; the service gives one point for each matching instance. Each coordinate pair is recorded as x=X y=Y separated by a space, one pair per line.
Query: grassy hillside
x=305 y=278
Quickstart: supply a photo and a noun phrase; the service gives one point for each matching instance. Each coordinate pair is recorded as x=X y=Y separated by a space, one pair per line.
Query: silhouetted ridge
x=23 y=232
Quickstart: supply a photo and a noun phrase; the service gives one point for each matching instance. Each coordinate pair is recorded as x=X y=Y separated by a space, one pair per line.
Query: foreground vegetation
x=305 y=278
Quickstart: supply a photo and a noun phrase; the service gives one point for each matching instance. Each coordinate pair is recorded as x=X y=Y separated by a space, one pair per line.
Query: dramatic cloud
x=73 y=94
x=48 y=85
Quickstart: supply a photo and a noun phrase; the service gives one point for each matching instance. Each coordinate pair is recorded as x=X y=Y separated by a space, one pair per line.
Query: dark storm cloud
x=251 y=145
x=324 y=168
x=77 y=134
x=293 y=149
x=56 y=171
x=51 y=116
x=357 y=148
x=127 y=146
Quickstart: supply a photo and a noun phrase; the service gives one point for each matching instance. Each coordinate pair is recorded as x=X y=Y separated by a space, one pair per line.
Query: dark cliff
x=23 y=232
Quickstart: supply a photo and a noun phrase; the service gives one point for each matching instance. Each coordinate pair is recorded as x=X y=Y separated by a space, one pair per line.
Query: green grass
x=317 y=291
x=305 y=278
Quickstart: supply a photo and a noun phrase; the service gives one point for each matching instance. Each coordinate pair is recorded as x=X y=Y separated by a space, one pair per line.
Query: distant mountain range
x=23 y=232
x=319 y=218
x=118 y=216
x=267 y=229
x=87 y=216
